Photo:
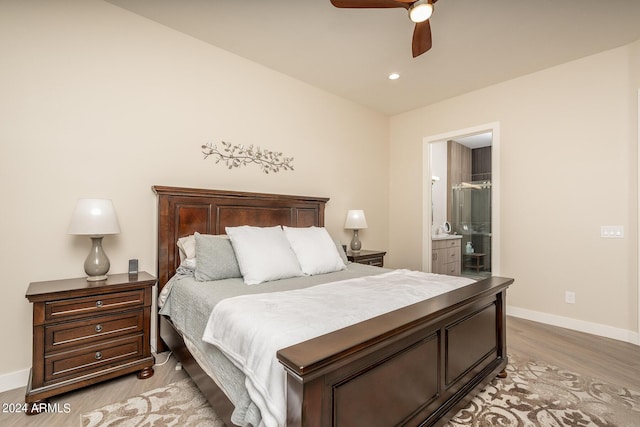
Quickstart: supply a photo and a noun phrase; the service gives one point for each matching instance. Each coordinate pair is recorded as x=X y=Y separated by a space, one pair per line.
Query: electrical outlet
x=570 y=297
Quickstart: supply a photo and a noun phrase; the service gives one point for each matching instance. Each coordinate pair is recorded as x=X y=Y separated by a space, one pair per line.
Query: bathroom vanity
x=446 y=254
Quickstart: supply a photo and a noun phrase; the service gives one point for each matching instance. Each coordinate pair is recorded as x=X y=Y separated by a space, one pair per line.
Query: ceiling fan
x=419 y=12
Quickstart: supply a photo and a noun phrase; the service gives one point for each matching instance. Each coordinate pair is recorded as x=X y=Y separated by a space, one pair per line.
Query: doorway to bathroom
x=461 y=224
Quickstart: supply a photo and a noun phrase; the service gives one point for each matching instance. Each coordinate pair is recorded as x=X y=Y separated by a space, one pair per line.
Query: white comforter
x=249 y=329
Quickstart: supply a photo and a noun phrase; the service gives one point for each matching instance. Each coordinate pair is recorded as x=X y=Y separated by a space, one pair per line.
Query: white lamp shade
x=94 y=217
x=355 y=220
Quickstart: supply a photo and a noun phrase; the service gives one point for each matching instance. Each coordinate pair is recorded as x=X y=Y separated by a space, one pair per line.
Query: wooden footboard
x=413 y=366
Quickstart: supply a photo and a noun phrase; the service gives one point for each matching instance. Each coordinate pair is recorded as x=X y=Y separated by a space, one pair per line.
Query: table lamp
x=95 y=218
x=355 y=221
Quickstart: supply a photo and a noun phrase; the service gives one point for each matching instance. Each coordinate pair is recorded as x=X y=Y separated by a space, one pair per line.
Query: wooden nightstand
x=87 y=332
x=367 y=257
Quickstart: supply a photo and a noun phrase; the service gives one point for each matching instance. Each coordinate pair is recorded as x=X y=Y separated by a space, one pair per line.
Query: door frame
x=494 y=128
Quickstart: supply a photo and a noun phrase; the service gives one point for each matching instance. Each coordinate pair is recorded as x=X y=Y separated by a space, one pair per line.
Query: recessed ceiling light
x=394 y=76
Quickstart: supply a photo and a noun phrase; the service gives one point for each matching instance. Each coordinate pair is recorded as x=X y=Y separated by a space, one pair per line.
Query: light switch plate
x=612 y=231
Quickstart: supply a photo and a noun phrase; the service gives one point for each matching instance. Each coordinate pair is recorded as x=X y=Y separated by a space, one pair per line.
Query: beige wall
x=98 y=102
x=569 y=165
x=635 y=132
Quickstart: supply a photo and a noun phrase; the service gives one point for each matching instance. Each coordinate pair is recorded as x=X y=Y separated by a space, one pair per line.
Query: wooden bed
x=414 y=366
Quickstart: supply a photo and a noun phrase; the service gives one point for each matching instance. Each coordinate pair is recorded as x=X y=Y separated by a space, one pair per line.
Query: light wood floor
x=591 y=356
x=595 y=357
x=93 y=397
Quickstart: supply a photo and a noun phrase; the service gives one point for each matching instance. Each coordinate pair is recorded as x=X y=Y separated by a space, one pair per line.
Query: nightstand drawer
x=376 y=261
x=375 y=258
x=88 y=306
x=88 y=359
x=81 y=332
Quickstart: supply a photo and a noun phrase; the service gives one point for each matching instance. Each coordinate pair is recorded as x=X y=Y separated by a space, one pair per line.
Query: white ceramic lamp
x=355 y=221
x=95 y=218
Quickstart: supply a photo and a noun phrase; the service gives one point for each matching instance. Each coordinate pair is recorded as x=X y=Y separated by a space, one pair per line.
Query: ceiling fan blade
x=365 y=4
x=421 y=38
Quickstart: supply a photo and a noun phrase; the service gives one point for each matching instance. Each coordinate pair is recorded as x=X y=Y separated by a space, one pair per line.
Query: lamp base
x=97 y=264
x=356 y=245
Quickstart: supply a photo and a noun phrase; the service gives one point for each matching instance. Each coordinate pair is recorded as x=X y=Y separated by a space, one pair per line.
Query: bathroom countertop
x=446 y=236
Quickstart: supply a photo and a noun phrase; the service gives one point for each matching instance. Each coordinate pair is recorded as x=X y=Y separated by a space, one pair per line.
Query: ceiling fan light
x=420 y=11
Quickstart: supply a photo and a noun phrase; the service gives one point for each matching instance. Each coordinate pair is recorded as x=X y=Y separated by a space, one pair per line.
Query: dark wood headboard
x=183 y=211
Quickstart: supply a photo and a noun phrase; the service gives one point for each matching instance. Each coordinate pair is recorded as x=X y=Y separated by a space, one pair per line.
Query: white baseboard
x=576 y=325
x=14 y=380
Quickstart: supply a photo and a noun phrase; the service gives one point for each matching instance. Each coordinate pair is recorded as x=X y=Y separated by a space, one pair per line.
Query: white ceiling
x=350 y=52
x=476 y=141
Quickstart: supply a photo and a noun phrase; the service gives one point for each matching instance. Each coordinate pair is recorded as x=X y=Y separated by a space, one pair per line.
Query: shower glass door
x=471 y=218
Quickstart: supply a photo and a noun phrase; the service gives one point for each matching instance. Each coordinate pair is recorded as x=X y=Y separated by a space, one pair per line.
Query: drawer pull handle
x=98 y=355
x=99 y=303
x=98 y=328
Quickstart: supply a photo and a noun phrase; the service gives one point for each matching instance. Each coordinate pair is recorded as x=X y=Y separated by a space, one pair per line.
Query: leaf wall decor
x=236 y=155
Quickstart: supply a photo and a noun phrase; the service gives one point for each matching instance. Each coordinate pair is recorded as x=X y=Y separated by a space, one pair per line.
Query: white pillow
x=187 y=250
x=187 y=247
x=263 y=253
x=315 y=250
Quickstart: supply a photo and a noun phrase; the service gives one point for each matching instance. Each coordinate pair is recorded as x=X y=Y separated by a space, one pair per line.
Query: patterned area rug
x=178 y=404
x=534 y=394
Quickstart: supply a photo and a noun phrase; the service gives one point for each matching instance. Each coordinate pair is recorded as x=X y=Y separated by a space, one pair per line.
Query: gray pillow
x=215 y=258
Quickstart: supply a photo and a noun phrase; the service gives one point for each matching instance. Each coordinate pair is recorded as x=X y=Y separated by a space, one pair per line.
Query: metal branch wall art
x=236 y=155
